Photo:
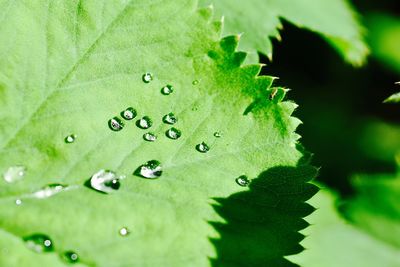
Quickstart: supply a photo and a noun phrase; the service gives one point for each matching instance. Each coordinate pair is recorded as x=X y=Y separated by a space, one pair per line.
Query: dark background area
x=338 y=102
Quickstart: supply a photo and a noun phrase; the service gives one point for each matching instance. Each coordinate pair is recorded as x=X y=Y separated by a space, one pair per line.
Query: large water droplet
x=173 y=133
x=124 y=231
x=151 y=169
x=217 y=134
x=49 y=190
x=116 y=124
x=170 y=118
x=70 y=257
x=105 y=181
x=151 y=137
x=70 y=138
x=242 y=180
x=147 y=77
x=39 y=243
x=144 y=123
x=167 y=90
x=129 y=113
x=14 y=174
x=203 y=147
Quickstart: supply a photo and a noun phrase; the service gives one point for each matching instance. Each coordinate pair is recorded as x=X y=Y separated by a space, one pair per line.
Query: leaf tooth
x=253 y=69
x=239 y=58
x=229 y=43
x=207 y=12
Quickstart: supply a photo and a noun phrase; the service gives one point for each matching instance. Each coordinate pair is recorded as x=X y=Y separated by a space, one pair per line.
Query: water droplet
x=70 y=138
x=151 y=169
x=39 y=243
x=129 y=113
x=105 y=181
x=173 y=133
x=217 y=134
x=195 y=82
x=167 y=90
x=18 y=202
x=151 y=137
x=170 y=118
x=147 y=77
x=144 y=123
x=242 y=180
x=124 y=231
x=115 y=124
x=70 y=257
x=49 y=190
x=14 y=174
x=203 y=147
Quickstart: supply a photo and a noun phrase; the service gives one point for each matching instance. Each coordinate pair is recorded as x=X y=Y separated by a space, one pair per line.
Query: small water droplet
x=151 y=169
x=105 y=181
x=173 y=133
x=129 y=113
x=116 y=124
x=49 y=190
x=14 y=174
x=70 y=138
x=39 y=243
x=203 y=147
x=167 y=90
x=144 y=123
x=18 y=202
x=70 y=257
x=124 y=231
x=147 y=77
x=242 y=180
x=151 y=137
x=170 y=118
x=195 y=82
x=217 y=134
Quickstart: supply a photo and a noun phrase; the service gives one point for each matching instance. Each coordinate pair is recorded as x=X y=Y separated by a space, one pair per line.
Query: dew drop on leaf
x=70 y=138
x=167 y=90
x=115 y=124
x=195 y=82
x=129 y=113
x=170 y=118
x=173 y=133
x=203 y=147
x=242 y=180
x=18 y=202
x=14 y=174
x=124 y=231
x=70 y=257
x=151 y=169
x=144 y=123
x=217 y=134
x=105 y=181
x=147 y=77
x=49 y=190
x=151 y=137
x=39 y=243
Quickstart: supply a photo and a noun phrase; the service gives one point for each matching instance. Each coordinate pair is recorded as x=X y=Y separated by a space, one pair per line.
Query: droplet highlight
x=70 y=138
x=116 y=124
x=105 y=181
x=242 y=180
x=195 y=82
x=202 y=147
x=18 y=202
x=129 y=113
x=151 y=170
x=147 y=77
x=151 y=137
x=170 y=118
x=39 y=243
x=14 y=174
x=144 y=123
x=70 y=257
x=49 y=190
x=173 y=133
x=167 y=90
x=124 y=231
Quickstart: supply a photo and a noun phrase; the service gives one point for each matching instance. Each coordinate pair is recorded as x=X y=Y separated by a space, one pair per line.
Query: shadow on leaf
x=262 y=223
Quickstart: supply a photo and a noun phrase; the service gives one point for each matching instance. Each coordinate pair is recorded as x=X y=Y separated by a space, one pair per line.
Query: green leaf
x=331 y=241
x=259 y=20
x=68 y=67
x=375 y=208
x=393 y=98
